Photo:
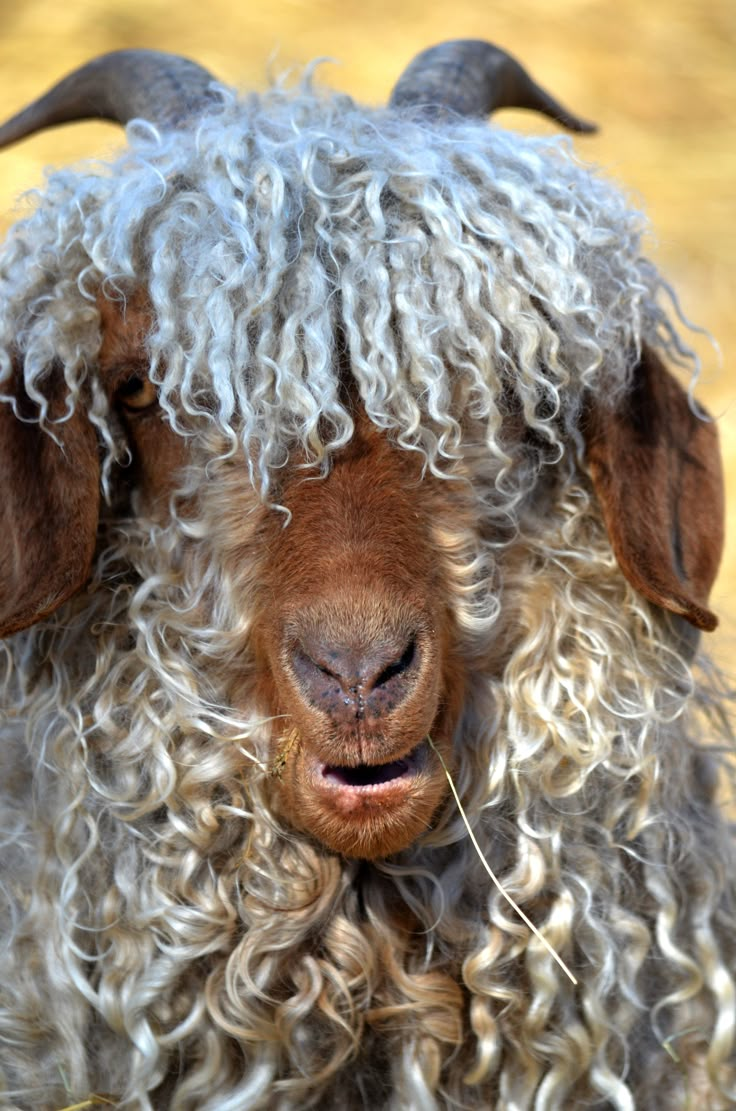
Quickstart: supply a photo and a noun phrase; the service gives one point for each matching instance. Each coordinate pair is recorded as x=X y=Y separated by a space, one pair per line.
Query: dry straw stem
x=488 y=869
x=91 y=1101
x=289 y=743
x=668 y=1047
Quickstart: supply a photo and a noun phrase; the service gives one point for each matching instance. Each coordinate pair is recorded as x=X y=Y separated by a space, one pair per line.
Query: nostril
x=317 y=677
x=398 y=666
x=306 y=665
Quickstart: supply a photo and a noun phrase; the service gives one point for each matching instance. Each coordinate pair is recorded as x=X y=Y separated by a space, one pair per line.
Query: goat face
x=360 y=648
x=356 y=651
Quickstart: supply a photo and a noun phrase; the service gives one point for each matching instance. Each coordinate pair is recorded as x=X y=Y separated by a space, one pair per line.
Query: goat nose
x=350 y=683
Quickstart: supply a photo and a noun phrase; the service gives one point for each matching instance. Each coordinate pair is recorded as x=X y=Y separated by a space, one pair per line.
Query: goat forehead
x=369 y=517
x=371 y=484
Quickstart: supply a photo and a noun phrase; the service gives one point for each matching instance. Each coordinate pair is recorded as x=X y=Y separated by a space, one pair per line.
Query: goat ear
x=49 y=508
x=656 y=468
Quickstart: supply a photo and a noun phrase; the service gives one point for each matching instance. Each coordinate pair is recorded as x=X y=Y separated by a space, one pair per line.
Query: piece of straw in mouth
x=486 y=865
x=289 y=743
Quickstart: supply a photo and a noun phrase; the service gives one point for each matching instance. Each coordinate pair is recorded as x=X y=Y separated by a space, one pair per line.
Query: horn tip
x=584 y=127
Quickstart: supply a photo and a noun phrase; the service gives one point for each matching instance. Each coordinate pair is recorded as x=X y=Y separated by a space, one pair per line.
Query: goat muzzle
x=363 y=778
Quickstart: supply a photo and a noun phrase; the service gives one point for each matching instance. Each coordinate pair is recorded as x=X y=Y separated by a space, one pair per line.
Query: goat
x=338 y=448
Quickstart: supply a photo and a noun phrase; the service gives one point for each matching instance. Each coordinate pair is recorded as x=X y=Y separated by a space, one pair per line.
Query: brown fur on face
x=356 y=564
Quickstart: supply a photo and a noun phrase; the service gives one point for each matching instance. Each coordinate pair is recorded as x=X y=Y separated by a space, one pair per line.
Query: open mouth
x=367 y=776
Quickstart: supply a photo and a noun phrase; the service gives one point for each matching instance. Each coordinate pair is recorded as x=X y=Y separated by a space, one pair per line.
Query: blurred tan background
x=659 y=76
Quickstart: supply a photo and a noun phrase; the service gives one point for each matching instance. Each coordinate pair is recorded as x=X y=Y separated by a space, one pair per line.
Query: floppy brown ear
x=48 y=510
x=656 y=468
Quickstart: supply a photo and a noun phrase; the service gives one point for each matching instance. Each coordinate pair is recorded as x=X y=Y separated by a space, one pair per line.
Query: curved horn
x=473 y=78
x=163 y=88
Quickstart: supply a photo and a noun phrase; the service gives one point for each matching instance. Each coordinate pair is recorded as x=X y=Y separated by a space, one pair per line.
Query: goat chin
x=364 y=821
x=365 y=810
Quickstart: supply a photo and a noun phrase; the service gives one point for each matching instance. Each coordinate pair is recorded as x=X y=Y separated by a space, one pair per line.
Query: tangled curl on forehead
x=454 y=267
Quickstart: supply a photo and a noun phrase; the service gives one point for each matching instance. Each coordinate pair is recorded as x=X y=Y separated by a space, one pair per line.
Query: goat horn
x=473 y=78
x=120 y=86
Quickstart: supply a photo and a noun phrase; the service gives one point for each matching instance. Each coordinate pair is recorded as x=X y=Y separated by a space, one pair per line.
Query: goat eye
x=137 y=393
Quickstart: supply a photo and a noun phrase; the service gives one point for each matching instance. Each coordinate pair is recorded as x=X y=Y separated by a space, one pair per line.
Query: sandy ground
x=658 y=77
